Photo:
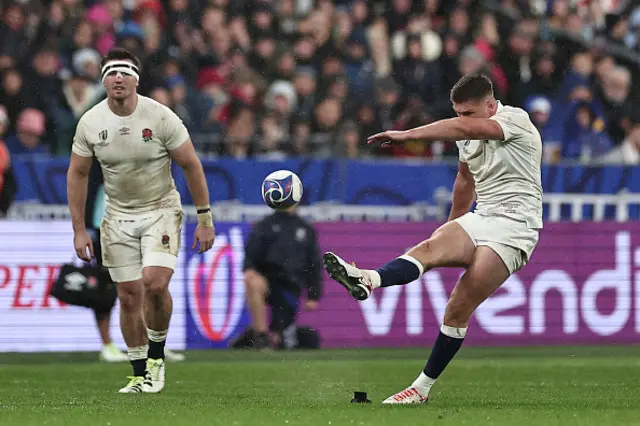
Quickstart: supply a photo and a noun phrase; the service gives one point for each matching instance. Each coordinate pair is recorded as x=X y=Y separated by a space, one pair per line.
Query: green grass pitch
x=483 y=386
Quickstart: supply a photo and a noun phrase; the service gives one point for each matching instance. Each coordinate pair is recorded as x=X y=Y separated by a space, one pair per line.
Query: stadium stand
x=279 y=78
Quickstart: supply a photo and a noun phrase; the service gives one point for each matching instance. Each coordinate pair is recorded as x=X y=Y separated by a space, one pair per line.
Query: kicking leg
x=484 y=276
x=448 y=246
x=158 y=309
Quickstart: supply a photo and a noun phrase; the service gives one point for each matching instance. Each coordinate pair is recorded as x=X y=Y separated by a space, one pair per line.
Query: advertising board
x=582 y=286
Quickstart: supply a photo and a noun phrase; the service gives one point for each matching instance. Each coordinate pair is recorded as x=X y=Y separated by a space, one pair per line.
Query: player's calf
x=158 y=308
x=130 y=294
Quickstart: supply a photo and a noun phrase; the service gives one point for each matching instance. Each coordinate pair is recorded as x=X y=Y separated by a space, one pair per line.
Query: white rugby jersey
x=507 y=173
x=134 y=154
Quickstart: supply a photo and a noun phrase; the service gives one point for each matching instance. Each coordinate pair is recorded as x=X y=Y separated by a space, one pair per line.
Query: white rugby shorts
x=513 y=241
x=131 y=242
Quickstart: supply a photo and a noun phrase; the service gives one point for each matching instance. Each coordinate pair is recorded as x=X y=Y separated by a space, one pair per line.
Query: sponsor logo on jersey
x=124 y=131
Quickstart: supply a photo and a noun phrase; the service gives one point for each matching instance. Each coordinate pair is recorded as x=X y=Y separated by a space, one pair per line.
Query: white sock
x=423 y=383
x=454 y=332
x=414 y=261
x=157 y=336
x=375 y=278
x=138 y=352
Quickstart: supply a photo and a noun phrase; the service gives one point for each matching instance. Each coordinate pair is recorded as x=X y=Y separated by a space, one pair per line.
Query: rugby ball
x=282 y=190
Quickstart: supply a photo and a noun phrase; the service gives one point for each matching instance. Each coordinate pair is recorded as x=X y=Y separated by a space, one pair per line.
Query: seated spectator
x=13 y=96
x=305 y=85
x=359 y=69
x=584 y=137
x=326 y=120
x=86 y=62
x=240 y=130
x=29 y=131
x=211 y=99
x=539 y=109
x=300 y=136
x=350 y=143
x=180 y=98
x=273 y=138
x=79 y=94
x=13 y=38
x=628 y=153
x=161 y=95
x=416 y=75
x=614 y=95
x=544 y=80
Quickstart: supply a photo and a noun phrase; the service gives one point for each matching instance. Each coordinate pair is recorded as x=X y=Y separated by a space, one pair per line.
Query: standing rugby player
x=135 y=139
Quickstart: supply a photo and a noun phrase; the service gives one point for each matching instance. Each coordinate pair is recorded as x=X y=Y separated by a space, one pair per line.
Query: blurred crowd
x=276 y=78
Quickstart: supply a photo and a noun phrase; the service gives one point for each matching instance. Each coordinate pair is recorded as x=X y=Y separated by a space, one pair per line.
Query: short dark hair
x=120 y=54
x=471 y=87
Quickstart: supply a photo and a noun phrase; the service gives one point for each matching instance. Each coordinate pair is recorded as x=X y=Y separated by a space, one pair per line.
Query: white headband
x=125 y=67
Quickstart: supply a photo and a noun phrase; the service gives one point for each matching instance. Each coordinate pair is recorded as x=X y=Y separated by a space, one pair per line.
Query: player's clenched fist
x=82 y=243
x=205 y=235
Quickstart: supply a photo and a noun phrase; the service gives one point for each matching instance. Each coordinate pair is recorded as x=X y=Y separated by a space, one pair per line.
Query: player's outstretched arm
x=464 y=192
x=451 y=129
x=77 y=182
x=187 y=158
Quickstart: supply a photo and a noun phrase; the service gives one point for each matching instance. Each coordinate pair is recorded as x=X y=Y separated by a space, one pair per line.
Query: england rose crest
x=147 y=135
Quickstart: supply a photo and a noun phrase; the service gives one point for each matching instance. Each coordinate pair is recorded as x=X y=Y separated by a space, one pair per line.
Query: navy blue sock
x=139 y=367
x=442 y=353
x=398 y=272
x=156 y=349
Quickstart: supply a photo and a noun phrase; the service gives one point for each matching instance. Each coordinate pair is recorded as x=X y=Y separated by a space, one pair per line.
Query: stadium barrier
x=582 y=286
x=558 y=207
x=339 y=182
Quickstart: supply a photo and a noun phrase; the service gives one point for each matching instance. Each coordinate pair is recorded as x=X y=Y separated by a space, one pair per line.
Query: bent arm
x=464 y=192
x=77 y=182
x=456 y=129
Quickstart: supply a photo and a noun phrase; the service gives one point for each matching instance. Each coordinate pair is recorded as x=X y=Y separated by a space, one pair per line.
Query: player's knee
x=155 y=283
x=156 y=286
x=130 y=296
x=426 y=254
x=254 y=283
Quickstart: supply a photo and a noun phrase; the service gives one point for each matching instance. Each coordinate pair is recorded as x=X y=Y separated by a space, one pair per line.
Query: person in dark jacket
x=282 y=259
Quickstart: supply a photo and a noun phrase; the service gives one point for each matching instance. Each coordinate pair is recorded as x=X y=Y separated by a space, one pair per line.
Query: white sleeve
x=81 y=145
x=459 y=145
x=174 y=133
x=513 y=124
